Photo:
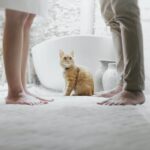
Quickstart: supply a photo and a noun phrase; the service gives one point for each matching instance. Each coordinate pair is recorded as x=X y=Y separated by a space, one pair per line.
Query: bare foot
x=126 y=98
x=111 y=93
x=24 y=99
x=41 y=99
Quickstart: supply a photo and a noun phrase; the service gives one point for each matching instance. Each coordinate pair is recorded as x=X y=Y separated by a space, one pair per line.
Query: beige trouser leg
x=107 y=12
x=124 y=19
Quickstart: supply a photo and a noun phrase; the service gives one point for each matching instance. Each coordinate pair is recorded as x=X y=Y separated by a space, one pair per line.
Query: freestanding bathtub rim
x=65 y=37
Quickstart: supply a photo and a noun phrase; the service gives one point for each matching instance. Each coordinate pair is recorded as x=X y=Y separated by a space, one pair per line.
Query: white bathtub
x=88 y=51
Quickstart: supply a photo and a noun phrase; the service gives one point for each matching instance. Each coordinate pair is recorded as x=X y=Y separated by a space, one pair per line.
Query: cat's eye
x=70 y=58
x=65 y=58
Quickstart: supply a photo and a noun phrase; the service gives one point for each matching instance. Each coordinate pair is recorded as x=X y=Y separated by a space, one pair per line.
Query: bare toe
x=104 y=102
x=107 y=103
x=37 y=97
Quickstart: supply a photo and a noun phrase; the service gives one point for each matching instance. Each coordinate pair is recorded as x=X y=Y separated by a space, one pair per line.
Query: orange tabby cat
x=77 y=78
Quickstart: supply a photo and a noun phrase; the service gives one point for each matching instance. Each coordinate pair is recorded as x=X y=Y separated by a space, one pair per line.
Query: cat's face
x=66 y=59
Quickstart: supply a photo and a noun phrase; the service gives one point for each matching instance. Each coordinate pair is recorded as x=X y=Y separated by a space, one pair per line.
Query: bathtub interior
x=88 y=51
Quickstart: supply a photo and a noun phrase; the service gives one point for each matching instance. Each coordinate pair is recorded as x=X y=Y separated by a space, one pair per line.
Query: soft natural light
x=63 y=89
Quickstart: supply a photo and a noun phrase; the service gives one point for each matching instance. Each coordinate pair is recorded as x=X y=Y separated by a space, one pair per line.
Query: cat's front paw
x=67 y=94
x=74 y=95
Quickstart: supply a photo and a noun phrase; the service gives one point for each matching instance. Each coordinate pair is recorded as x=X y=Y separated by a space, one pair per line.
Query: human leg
x=12 y=43
x=128 y=16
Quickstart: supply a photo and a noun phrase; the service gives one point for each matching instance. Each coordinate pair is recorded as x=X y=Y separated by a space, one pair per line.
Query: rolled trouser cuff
x=134 y=86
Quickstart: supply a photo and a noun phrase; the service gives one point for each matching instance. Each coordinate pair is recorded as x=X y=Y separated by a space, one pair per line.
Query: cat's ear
x=72 y=53
x=61 y=53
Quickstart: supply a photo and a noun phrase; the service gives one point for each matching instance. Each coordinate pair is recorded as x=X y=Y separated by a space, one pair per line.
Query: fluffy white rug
x=73 y=123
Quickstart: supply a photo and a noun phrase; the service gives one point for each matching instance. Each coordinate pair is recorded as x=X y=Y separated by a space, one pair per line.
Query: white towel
x=39 y=7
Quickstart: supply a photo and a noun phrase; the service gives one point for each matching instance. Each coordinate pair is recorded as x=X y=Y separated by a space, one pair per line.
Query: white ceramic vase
x=98 y=85
x=111 y=77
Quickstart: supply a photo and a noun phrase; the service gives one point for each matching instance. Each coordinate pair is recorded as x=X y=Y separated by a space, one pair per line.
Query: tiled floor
x=74 y=123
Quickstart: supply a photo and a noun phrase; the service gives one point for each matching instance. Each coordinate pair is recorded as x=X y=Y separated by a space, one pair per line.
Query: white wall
x=64 y=19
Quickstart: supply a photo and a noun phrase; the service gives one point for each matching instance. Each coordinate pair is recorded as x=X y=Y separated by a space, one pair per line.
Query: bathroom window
x=70 y=17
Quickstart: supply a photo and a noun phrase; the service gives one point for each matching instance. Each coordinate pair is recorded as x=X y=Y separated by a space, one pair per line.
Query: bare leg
x=13 y=38
x=25 y=53
x=25 y=48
